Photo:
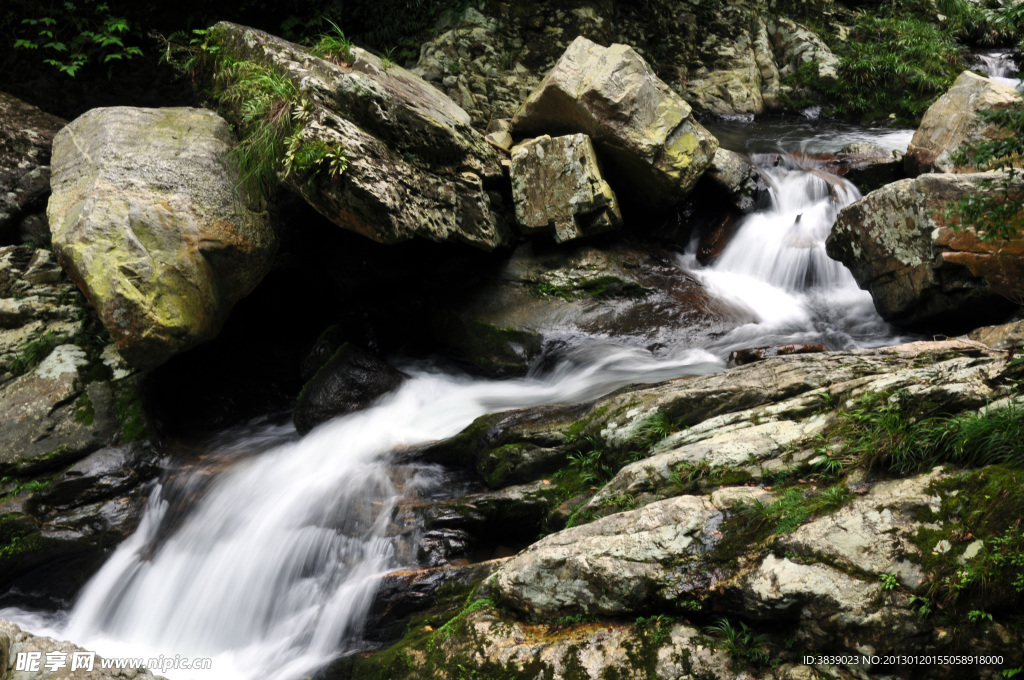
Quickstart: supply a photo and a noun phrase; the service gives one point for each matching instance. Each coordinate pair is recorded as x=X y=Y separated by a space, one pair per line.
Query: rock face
x=415 y=166
x=26 y=135
x=850 y=562
x=348 y=381
x=952 y=123
x=922 y=273
x=620 y=565
x=653 y=146
x=147 y=220
x=14 y=641
x=557 y=185
x=59 y=535
x=631 y=292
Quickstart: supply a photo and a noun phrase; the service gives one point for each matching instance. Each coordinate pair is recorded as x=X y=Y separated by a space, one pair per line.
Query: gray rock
x=901 y=246
x=952 y=123
x=557 y=185
x=415 y=166
x=26 y=134
x=618 y=565
x=14 y=641
x=650 y=143
x=147 y=220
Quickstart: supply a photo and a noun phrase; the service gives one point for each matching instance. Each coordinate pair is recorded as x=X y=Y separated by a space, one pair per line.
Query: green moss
x=605 y=286
x=494 y=465
x=131 y=412
x=978 y=506
x=35 y=351
x=85 y=413
x=16 y=536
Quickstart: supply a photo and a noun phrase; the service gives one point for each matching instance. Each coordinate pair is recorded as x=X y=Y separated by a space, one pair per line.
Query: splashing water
x=1000 y=66
x=273 y=570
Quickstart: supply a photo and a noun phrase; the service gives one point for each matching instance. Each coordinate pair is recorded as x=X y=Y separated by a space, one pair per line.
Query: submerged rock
x=416 y=168
x=557 y=185
x=26 y=135
x=147 y=220
x=350 y=380
x=953 y=123
x=921 y=272
x=651 y=144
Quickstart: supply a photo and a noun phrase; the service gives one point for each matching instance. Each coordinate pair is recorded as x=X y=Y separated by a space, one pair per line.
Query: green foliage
x=70 y=35
x=741 y=643
x=575 y=620
x=591 y=466
x=894 y=66
x=35 y=351
x=881 y=430
x=999 y=214
x=658 y=628
x=334 y=46
x=403 y=24
x=889 y=581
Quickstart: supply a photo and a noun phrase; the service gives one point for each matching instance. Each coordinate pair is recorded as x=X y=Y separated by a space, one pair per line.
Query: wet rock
x=737 y=178
x=619 y=564
x=349 y=381
x=633 y=293
x=557 y=186
x=869 y=166
x=102 y=475
x=147 y=220
x=749 y=356
x=796 y=46
x=415 y=166
x=404 y=593
x=26 y=135
x=650 y=143
x=922 y=273
x=14 y=642
x=952 y=123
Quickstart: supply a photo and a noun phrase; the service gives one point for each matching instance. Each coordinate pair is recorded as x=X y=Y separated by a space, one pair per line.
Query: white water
x=272 y=572
x=1000 y=66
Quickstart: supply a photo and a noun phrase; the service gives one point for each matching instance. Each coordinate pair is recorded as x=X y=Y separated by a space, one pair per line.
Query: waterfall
x=1000 y=66
x=271 y=568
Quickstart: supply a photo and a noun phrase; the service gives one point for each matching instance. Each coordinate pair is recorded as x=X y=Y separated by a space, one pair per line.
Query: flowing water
x=273 y=567
x=1000 y=66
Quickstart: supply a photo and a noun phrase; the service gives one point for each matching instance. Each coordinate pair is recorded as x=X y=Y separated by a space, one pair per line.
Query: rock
x=748 y=356
x=349 y=381
x=869 y=166
x=631 y=292
x=15 y=642
x=734 y=176
x=651 y=145
x=59 y=535
x=147 y=220
x=50 y=419
x=922 y=273
x=618 y=563
x=952 y=123
x=795 y=46
x=415 y=166
x=741 y=77
x=557 y=185
x=26 y=135
x=1003 y=336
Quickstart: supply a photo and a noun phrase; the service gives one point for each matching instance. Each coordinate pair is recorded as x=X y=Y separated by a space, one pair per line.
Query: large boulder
x=900 y=246
x=953 y=123
x=415 y=165
x=557 y=186
x=26 y=135
x=147 y=220
x=652 y=144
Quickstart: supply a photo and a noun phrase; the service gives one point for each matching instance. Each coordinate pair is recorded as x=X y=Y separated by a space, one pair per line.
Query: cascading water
x=272 y=570
x=1000 y=66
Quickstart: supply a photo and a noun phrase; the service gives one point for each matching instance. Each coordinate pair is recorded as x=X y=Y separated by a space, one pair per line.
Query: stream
x=273 y=568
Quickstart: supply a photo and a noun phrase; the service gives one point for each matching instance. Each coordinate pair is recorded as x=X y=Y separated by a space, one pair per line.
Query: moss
x=131 y=412
x=85 y=413
x=16 y=536
x=978 y=506
x=605 y=286
x=494 y=465
x=35 y=351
